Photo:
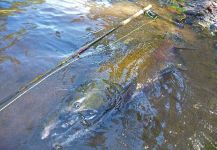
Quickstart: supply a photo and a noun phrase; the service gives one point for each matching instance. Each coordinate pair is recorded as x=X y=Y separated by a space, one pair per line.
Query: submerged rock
x=197 y=12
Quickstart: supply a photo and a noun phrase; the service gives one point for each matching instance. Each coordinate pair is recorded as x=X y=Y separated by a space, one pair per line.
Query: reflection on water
x=142 y=87
x=39 y=35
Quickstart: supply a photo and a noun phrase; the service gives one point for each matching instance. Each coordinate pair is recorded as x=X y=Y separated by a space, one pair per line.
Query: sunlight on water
x=141 y=87
x=70 y=7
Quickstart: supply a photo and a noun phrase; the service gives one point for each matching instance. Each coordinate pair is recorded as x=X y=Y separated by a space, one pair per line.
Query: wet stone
x=194 y=13
x=189 y=21
x=213 y=27
x=58 y=34
x=58 y=147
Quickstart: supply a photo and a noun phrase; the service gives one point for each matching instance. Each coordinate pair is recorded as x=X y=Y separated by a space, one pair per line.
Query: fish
x=99 y=101
x=78 y=117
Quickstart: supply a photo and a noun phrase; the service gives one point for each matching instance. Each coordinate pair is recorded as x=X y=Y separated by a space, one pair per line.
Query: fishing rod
x=66 y=62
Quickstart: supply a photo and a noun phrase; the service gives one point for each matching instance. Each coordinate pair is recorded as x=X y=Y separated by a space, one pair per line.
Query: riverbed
x=148 y=85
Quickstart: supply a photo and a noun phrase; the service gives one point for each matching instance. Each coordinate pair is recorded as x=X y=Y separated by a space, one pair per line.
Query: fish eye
x=77 y=105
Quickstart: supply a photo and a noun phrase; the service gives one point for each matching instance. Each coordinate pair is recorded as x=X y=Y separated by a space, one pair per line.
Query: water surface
x=149 y=85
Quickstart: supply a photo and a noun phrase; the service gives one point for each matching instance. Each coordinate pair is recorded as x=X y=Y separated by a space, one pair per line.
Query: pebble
x=189 y=21
x=194 y=13
x=58 y=34
x=213 y=27
x=209 y=8
x=58 y=147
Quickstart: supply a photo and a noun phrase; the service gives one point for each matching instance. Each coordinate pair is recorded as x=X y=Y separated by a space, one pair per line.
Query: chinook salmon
x=77 y=117
x=98 y=101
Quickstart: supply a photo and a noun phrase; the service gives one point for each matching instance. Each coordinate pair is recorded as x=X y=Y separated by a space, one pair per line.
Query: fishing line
x=118 y=40
x=66 y=62
x=138 y=28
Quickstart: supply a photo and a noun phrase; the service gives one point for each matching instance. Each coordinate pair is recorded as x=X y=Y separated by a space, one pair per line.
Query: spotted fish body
x=102 y=100
x=79 y=117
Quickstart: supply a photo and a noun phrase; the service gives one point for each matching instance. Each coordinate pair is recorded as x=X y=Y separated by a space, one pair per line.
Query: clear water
x=133 y=90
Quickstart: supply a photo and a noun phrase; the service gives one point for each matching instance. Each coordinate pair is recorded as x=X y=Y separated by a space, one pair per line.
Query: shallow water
x=148 y=85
